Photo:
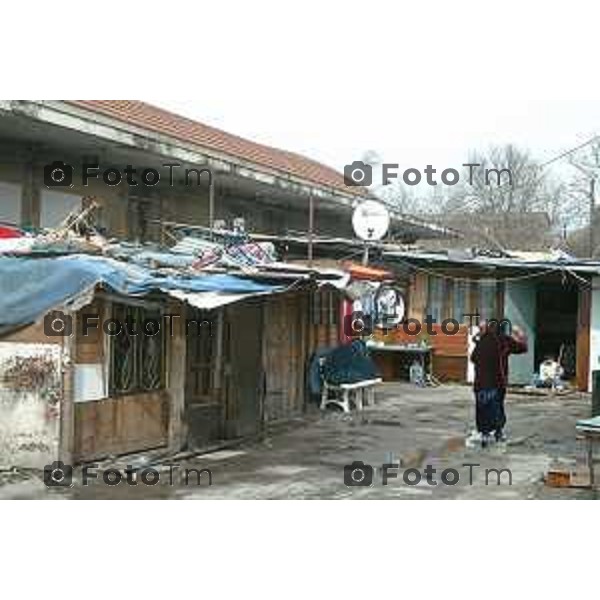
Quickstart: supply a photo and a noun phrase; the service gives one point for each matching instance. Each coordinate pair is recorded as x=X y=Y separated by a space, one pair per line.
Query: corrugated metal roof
x=578 y=265
x=211 y=300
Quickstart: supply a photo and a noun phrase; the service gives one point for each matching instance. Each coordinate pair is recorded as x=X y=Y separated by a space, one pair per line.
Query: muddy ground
x=419 y=426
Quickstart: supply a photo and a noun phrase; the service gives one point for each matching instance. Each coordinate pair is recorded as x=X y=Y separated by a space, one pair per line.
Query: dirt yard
x=422 y=428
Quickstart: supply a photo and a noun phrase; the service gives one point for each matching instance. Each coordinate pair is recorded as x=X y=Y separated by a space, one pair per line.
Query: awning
x=30 y=287
x=211 y=300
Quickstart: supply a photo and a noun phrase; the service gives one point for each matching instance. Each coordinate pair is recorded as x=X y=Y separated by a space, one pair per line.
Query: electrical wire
x=531 y=275
x=568 y=152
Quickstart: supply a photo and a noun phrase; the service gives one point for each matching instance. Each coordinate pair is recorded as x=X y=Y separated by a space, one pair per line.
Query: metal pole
x=311 y=227
x=592 y=206
x=161 y=225
x=211 y=208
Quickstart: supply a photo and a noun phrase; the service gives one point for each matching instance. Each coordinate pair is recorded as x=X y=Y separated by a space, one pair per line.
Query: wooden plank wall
x=449 y=352
x=584 y=306
x=417 y=296
x=243 y=368
x=118 y=425
x=325 y=336
x=32 y=334
x=285 y=355
x=89 y=349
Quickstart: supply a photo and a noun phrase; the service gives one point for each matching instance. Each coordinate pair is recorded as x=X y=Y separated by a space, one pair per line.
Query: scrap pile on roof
x=67 y=238
x=62 y=268
x=198 y=254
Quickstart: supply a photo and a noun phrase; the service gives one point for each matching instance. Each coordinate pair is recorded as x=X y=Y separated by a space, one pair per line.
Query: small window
x=459 y=301
x=435 y=298
x=487 y=299
x=137 y=350
x=56 y=206
x=10 y=203
x=325 y=307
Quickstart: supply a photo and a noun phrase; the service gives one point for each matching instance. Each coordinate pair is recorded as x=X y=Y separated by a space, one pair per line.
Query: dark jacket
x=490 y=357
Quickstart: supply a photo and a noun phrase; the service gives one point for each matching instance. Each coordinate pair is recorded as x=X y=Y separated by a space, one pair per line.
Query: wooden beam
x=66 y=444
x=176 y=377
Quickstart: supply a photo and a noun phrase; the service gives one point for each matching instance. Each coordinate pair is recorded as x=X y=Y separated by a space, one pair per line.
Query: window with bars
x=325 y=307
x=455 y=299
x=136 y=350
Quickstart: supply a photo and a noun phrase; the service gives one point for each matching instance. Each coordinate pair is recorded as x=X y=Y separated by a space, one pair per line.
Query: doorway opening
x=556 y=325
x=203 y=409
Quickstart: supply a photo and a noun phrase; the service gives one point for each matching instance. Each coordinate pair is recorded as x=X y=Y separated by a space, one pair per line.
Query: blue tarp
x=30 y=287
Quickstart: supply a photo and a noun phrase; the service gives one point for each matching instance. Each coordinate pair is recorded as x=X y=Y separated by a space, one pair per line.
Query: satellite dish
x=370 y=220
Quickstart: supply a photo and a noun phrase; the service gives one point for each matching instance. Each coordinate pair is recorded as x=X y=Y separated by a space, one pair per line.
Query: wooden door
x=285 y=350
x=203 y=407
x=584 y=304
x=243 y=369
x=201 y=352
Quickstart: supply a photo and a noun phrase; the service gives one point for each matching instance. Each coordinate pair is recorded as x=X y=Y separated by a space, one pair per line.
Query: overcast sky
x=418 y=85
x=418 y=82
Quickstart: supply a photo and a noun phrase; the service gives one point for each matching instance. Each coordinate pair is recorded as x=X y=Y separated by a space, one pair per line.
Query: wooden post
x=582 y=352
x=160 y=222
x=176 y=374
x=66 y=444
x=219 y=351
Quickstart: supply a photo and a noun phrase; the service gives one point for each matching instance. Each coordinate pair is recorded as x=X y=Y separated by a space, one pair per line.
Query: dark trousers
x=489 y=410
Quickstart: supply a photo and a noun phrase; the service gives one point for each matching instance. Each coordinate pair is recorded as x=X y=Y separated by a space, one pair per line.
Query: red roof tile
x=167 y=123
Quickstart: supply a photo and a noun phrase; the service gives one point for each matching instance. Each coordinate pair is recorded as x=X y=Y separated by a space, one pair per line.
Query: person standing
x=490 y=357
